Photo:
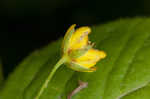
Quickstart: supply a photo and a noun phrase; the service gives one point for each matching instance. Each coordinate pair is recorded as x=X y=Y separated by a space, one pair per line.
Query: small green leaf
x=124 y=74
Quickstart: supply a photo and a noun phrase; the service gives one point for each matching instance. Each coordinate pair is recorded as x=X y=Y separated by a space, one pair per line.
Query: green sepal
x=67 y=37
x=79 y=52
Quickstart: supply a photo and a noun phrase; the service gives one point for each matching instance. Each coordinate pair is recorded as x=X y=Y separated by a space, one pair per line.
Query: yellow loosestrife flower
x=81 y=56
x=78 y=54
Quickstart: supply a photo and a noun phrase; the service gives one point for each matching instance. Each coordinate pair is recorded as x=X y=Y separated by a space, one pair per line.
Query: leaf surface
x=124 y=74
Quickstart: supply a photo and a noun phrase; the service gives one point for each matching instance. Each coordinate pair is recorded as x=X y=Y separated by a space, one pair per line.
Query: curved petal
x=79 y=38
x=90 y=58
x=80 y=68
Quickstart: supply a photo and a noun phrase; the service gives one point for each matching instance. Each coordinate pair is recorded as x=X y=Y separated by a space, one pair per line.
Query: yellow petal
x=79 y=38
x=90 y=58
x=77 y=67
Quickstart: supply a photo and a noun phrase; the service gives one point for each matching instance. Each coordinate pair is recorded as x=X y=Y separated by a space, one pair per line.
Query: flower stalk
x=45 y=84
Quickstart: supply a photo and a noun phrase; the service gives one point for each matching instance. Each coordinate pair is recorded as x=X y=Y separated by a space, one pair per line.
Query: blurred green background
x=27 y=25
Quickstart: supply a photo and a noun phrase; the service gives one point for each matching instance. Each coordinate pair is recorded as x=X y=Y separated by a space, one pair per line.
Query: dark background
x=26 y=25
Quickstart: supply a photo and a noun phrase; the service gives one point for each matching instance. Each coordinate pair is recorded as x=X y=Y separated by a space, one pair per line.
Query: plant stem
x=76 y=90
x=45 y=84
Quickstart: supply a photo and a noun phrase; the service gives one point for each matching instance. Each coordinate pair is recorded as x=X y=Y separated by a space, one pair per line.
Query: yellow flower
x=81 y=56
x=77 y=53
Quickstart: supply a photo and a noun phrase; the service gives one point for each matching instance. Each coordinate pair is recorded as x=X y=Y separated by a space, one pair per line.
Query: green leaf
x=26 y=80
x=124 y=74
x=141 y=93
